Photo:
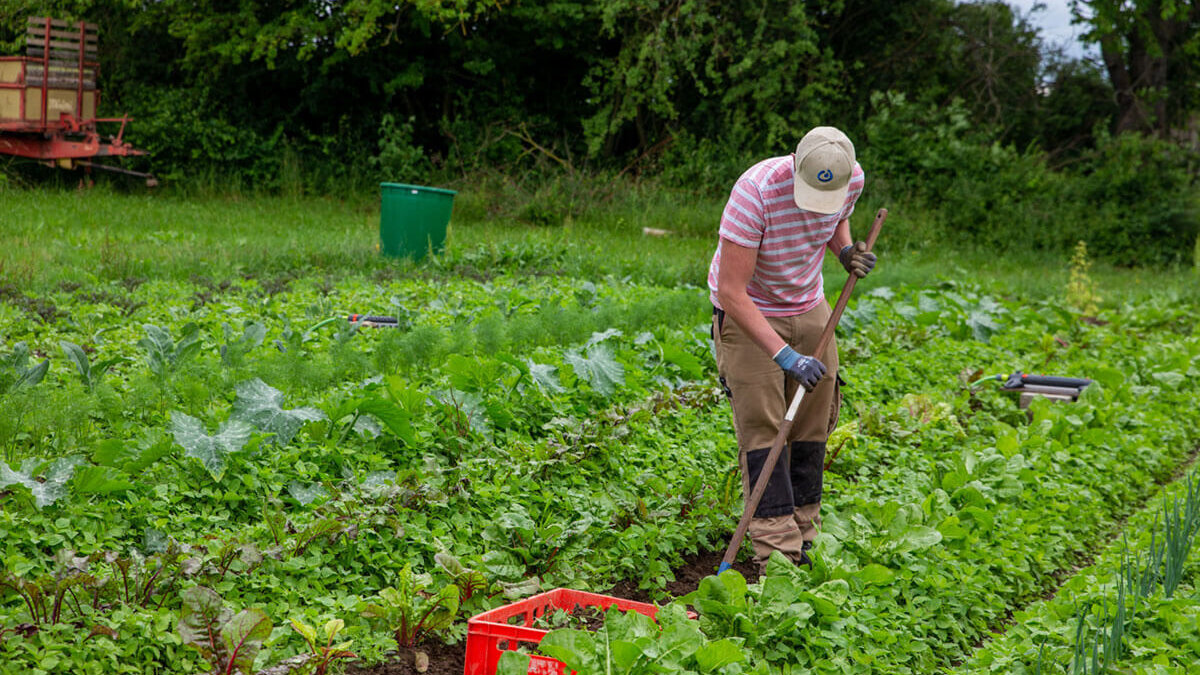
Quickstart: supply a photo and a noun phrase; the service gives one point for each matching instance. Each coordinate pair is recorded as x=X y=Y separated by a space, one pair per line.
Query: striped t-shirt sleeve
x=743 y=222
x=856 y=187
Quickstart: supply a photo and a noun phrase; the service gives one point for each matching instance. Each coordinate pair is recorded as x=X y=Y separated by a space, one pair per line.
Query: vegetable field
x=224 y=473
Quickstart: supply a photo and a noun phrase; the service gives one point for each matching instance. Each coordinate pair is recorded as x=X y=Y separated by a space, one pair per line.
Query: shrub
x=1147 y=188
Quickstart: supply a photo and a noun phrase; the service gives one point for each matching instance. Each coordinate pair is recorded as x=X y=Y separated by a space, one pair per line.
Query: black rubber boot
x=804 y=559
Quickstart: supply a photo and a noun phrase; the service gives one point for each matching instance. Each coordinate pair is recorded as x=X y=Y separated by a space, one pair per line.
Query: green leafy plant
x=470 y=582
x=163 y=354
x=16 y=373
x=596 y=364
x=233 y=351
x=50 y=598
x=91 y=373
x=261 y=406
x=211 y=451
x=410 y=611
x=46 y=480
x=399 y=159
x=323 y=652
x=229 y=641
x=1081 y=289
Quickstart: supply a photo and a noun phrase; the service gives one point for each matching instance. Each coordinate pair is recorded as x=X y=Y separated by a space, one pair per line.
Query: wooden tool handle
x=840 y=306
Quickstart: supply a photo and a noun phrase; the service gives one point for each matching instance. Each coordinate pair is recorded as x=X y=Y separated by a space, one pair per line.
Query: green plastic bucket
x=413 y=219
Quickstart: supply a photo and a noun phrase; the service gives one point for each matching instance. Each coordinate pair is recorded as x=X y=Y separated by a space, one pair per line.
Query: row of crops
x=181 y=452
x=1133 y=610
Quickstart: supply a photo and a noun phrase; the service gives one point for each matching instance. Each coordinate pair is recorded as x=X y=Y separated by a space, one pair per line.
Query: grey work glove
x=857 y=259
x=807 y=370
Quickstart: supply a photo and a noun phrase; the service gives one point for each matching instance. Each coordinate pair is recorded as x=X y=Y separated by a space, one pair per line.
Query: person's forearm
x=841 y=237
x=741 y=309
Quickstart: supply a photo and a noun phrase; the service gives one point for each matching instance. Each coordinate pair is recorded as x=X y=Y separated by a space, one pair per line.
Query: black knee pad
x=807 y=469
x=777 y=499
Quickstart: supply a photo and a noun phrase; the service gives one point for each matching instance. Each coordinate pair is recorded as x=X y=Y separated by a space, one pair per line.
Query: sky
x=1055 y=24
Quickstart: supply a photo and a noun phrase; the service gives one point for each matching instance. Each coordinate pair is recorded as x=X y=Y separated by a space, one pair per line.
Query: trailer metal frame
x=49 y=98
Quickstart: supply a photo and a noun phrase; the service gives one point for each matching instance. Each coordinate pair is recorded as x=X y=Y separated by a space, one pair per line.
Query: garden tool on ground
x=786 y=426
x=371 y=321
x=1028 y=386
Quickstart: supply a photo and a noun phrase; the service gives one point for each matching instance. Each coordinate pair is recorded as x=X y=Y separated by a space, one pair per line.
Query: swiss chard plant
x=230 y=642
x=414 y=609
x=324 y=652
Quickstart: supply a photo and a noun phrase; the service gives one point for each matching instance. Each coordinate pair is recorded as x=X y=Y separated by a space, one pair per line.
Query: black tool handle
x=373 y=319
x=1019 y=379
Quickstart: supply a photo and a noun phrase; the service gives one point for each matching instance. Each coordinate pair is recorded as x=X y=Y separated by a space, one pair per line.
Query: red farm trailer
x=49 y=99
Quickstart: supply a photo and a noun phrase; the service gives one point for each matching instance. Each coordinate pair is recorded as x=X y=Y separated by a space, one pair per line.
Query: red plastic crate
x=492 y=632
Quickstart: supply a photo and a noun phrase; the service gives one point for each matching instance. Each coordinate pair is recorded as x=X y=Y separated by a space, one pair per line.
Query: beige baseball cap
x=822 y=166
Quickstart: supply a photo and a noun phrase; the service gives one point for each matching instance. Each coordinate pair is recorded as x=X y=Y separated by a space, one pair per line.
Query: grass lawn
x=51 y=237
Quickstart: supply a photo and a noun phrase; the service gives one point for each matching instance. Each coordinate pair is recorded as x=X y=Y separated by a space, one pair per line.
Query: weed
x=1081 y=289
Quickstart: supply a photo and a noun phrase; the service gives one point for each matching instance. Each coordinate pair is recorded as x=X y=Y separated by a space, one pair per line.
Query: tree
x=744 y=73
x=1151 y=50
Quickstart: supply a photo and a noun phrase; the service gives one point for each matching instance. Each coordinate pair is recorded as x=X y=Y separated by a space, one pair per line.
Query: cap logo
x=824 y=175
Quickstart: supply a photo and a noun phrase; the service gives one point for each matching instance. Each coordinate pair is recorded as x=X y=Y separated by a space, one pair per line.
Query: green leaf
x=1169 y=379
x=159 y=347
x=629 y=625
x=163 y=354
x=599 y=368
x=970 y=494
x=917 y=538
x=545 y=378
x=261 y=406
x=76 y=355
x=111 y=452
x=624 y=654
x=502 y=565
x=211 y=451
x=306 y=631
x=684 y=360
x=201 y=617
x=469 y=406
x=188 y=345
x=306 y=494
x=46 y=488
x=394 y=418
x=101 y=480
x=778 y=591
x=576 y=648
x=875 y=574
x=520 y=589
x=151 y=452
x=513 y=663
x=716 y=655
x=680 y=641
x=828 y=597
x=243 y=636
x=22 y=374
x=1111 y=378
x=597 y=338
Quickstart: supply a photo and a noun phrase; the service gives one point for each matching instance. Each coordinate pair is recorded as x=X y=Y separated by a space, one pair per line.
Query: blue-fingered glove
x=807 y=370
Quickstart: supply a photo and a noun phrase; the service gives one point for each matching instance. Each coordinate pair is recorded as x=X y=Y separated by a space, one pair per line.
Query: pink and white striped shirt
x=762 y=213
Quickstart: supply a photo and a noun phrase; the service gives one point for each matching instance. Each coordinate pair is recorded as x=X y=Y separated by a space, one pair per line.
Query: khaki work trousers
x=759 y=393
